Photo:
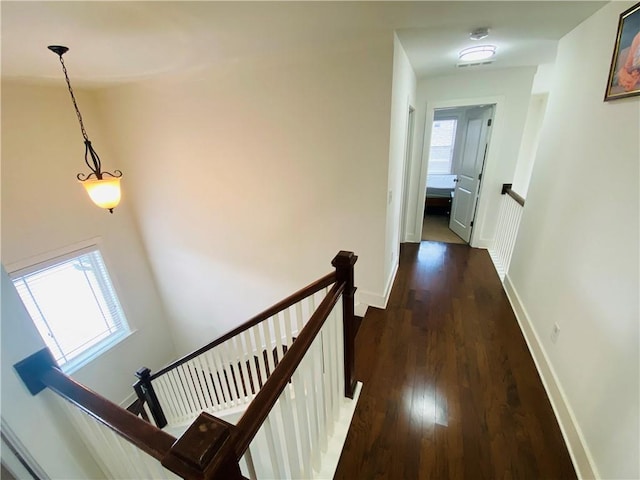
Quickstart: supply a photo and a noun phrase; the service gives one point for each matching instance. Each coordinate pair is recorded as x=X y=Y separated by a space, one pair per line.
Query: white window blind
x=73 y=305
x=443 y=139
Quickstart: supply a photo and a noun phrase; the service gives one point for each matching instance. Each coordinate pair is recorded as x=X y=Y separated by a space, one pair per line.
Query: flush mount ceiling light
x=479 y=33
x=104 y=192
x=481 y=52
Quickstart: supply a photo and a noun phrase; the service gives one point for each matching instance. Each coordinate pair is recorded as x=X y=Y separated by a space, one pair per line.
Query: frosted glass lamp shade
x=473 y=54
x=105 y=193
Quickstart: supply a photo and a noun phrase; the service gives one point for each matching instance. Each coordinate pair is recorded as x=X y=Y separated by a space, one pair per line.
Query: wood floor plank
x=450 y=389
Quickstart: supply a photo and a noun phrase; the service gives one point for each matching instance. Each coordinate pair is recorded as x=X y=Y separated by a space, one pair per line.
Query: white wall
x=247 y=179
x=403 y=95
x=510 y=89
x=44 y=209
x=530 y=142
x=576 y=258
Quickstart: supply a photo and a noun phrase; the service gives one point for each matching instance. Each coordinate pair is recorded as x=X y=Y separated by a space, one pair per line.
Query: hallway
x=450 y=390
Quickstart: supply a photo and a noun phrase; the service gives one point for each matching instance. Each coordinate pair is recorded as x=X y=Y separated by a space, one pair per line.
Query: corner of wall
x=576 y=444
x=366 y=299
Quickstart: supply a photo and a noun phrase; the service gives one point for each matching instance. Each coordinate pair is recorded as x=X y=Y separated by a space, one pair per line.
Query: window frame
x=107 y=286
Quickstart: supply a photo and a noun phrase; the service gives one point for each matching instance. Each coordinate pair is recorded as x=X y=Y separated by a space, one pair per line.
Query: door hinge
x=489 y=123
x=480 y=177
x=471 y=224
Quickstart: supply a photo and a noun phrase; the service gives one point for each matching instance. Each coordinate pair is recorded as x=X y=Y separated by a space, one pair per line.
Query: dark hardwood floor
x=450 y=389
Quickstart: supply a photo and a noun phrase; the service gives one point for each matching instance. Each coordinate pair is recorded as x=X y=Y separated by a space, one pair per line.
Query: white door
x=469 y=171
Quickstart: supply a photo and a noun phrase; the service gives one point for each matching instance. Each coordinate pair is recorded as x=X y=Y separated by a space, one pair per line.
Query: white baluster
x=216 y=355
x=300 y=401
x=287 y=328
x=242 y=377
x=187 y=393
x=167 y=403
x=320 y=396
x=337 y=346
x=332 y=373
x=145 y=407
x=174 y=383
x=213 y=382
x=205 y=383
x=233 y=375
x=274 y=445
x=307 y=367
x=252 y=357
x=337 y=309
x=260 y=349
x=193 y=368
x=269 y=342
x=250 y=466
x=293 y=454
x=299 y=317
x=278 y=332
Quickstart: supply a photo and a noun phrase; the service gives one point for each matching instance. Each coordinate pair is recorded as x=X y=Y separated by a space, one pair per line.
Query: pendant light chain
x=104 y=192
x=73 y=99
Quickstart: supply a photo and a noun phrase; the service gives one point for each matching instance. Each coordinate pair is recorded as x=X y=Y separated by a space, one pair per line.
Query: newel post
x=343 y=263
x=204 y=451
x=146 y=393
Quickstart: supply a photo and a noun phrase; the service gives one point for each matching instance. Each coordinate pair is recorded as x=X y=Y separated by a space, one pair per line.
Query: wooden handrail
x=259 y=408
x=506 y=189
x=269 y=312
x=142 y=434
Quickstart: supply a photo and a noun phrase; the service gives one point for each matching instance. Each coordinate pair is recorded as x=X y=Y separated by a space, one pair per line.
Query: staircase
x=273 y=398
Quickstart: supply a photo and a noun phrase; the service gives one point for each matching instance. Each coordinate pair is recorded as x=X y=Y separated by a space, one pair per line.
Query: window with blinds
x=73 y=305
x=443 y=140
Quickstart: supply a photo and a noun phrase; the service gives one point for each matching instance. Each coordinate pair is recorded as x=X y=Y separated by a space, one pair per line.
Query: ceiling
x=114 y=42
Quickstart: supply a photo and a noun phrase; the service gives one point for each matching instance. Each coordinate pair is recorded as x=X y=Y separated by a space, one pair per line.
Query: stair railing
x=228 y=372
x=509 y=216
x=309 y=377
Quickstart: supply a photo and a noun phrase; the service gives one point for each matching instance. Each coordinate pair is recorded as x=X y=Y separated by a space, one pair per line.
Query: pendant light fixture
x=103 y=191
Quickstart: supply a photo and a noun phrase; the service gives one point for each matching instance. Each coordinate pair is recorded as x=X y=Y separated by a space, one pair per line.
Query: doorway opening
x=457 y=151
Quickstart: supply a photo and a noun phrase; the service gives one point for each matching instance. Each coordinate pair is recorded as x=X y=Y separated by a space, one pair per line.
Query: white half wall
x=248 y=178
x=510 y=90
x=576 y=260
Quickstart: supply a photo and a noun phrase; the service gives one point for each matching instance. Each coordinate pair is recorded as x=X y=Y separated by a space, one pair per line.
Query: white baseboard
x=580 y=455
x=369 y=299
x=360 y=309
x=482 y=243
x=375 y=299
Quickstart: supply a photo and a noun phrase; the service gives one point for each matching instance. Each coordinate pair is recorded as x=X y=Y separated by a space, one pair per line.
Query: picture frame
x=624 y=73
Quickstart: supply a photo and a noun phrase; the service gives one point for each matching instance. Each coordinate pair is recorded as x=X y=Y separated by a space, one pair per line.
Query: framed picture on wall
x=624 y=74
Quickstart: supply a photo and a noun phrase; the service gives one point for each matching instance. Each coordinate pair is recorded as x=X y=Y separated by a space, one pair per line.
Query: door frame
x=408 y=153
x=495 y=140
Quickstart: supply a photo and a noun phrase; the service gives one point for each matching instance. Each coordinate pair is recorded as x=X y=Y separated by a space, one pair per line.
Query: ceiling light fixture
x=481 y=52
x=104 y=192
x=479 y=33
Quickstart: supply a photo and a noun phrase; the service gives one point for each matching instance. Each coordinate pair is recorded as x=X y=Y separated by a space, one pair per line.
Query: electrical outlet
x=555 y=332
